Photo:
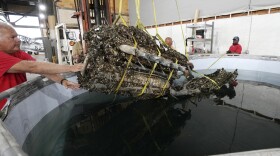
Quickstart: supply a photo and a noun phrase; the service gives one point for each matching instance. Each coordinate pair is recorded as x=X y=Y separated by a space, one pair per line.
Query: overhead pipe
x=107 y=12
x=97 y=13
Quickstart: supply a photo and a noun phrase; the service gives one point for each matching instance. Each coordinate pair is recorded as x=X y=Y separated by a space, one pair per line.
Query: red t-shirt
x=235 y=48
x=9 y=80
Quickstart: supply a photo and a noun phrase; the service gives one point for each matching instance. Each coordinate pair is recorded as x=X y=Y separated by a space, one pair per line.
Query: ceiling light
x=42 y=25
x=42 y=7
x=42 y=16
x=32 y=3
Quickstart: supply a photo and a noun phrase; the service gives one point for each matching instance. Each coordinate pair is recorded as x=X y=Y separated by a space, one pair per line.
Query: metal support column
x=97 y=13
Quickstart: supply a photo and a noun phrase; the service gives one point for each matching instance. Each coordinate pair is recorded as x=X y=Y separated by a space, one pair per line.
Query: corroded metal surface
x=206 y=85
x=109 y=65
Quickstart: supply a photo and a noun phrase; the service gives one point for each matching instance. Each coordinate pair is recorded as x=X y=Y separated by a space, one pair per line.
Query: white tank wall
x=253 y=68
x=240 y=63
x=263 y=40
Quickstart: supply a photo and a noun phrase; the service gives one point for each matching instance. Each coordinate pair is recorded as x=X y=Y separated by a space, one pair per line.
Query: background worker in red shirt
x=14 y=63
x=235 y=48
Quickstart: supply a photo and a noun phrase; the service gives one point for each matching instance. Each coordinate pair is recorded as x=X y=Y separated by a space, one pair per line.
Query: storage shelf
x=199 y=40
x=203 y=27
x=199 y=25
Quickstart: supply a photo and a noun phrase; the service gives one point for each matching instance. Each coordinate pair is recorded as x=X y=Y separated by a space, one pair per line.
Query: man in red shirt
x=235 y=47
x=14 y=63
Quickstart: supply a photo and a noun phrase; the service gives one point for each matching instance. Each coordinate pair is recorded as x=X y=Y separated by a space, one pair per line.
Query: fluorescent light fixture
x=42 y=7
x=42 y=16
x=32 y=3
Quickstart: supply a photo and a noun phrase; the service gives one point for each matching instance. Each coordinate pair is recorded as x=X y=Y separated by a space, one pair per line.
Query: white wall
x=166 y=10
x=64 y=16
x=263 y=40
x=264 y=37
x=175 y=33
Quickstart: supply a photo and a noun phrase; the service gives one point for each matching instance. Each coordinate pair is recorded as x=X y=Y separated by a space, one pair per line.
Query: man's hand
x=77 y=67
x=186 y=73
x=69 y=84
x=190 y=65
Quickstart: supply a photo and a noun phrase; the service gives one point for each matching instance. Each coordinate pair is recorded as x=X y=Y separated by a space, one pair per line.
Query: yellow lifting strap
x=119 y=15
x=214 y=82
x=125 y=71
x=216 y=61
x=121 y=81
x=181 y=24
x=137 y=5
x=131 y=56
x=160 y=38
x=148 y=80
x=159 y=53
x=155 y=15
x=139 y=24
x=209 y=68
x=164 y=86
x=186 y=52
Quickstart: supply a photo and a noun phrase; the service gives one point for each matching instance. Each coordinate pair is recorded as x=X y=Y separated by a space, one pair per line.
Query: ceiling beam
x=22 y=10
x=24 y=26
x=23 y=2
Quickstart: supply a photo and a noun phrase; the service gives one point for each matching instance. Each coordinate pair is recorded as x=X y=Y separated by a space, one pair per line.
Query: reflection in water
x=171 y=126
x=226 y=91
x=144 y=128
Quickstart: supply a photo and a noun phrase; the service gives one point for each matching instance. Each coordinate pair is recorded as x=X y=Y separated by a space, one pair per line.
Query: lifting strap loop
x=131 y=56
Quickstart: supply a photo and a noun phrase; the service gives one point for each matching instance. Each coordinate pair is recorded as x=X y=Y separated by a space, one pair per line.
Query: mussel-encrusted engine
x=110 y=69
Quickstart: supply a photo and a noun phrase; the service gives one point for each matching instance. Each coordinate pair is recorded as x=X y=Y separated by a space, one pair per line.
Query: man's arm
x=61 y=80
x=75 y=50
x=43 y=68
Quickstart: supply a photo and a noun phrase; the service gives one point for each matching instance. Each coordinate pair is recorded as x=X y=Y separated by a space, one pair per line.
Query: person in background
x=14 y=63
x=169 y=42
x=77 y=50
x=235 y=48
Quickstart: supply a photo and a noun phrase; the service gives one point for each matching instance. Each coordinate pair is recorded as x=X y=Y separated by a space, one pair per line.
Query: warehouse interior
x=139 y=77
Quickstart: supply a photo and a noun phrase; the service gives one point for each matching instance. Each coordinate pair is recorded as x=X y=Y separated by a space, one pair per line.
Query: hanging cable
x=181 y=24
x=159 y=53
x=186 y=52
x=250 y=27
x=216 y=61
x=236 y=120
x=135 y=45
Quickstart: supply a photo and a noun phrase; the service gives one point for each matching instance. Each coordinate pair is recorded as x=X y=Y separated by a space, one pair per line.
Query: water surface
x=185 y=126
